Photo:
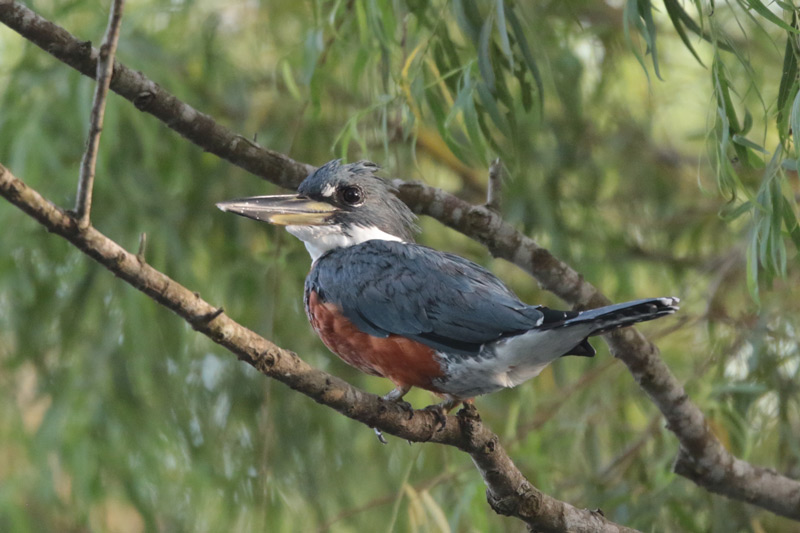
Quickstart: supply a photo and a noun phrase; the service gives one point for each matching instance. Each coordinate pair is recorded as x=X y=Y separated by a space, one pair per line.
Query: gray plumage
x=380 y=208
x=449 y=303
x=439 y=299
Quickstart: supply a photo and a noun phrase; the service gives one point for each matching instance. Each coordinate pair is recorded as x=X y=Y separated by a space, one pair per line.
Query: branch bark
x=508 y=492
x=701 y=458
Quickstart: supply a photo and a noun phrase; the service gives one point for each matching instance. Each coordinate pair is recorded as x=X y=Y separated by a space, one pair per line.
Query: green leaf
x=748 y=122
x=644 y=8
x=790 y=222
x=505 y=44
x=288 y=79
x=750 y=389
x=631 y=17
x=777 y=244
x=522 y=41
x=731 y=214
x=312 y=48
x=752 y=268
x=490 y=105
x=794 y=123
x=484 y=57
x=743 y=141
x=730 y=122
x=788 y=86
x=689 y=22
x=673 y=10
x=767 y=13
x=789 y=69
x=466 y=20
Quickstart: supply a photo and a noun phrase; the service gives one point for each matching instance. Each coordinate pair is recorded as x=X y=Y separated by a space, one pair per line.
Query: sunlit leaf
x=765 y=12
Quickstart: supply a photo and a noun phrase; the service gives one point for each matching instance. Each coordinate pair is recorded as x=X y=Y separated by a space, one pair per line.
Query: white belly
x=508 y=362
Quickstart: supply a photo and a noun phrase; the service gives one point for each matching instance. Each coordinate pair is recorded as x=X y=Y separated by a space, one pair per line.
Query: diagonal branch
x=105 y=67
x=149 y=97
x=702 y=458
x=508 y=492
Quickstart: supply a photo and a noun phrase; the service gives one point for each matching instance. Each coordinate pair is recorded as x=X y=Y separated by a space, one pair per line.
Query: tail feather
x=610 y=317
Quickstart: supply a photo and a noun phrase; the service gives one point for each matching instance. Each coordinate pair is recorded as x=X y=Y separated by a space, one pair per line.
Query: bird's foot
x=468 y=410
x=440 y=414
x=440 y=410
x=396 y=396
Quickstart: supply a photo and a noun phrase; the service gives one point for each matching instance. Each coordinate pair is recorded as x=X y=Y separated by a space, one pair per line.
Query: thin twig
x=105 y=69
x=495 y=185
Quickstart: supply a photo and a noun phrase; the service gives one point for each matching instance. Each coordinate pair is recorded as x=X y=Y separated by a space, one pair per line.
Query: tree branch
x=105 y=67
x=508 y=492
x=715 y=468
x=149 y=97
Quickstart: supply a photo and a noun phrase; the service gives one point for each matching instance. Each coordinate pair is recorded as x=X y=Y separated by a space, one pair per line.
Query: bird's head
x=336 y=206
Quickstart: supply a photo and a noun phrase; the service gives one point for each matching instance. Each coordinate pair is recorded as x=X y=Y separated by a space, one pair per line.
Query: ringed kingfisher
x=418 y=316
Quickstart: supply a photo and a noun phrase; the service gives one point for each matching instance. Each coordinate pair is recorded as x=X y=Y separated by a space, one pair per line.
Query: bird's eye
x=352 y=195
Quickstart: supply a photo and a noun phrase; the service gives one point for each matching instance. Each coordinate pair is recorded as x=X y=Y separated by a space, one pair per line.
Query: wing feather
x=439 y=299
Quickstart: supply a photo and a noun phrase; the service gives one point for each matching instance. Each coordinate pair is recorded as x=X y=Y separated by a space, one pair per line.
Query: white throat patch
x=320 y=239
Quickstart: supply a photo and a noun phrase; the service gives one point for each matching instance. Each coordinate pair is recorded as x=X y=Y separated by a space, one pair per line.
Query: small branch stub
x=142 y=247
x=105 y=68
x=495 y=186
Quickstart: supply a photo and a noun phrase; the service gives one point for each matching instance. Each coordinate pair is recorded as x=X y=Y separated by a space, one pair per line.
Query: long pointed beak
x=282 y=209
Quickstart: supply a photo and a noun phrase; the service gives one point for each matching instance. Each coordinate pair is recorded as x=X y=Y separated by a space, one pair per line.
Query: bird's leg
x=396 y=396
x=397 y=393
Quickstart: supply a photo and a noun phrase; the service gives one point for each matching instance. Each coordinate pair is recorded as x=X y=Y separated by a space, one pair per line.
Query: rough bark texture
x=702 y=458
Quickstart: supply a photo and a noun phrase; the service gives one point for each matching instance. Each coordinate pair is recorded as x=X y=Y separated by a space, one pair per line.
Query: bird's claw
x=396 y=396
x=405 y=406
x=379 y=434
x=468 y=410
x=440 y=414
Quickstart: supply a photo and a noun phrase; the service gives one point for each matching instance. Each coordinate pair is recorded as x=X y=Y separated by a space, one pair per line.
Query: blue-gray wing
x=436 y=298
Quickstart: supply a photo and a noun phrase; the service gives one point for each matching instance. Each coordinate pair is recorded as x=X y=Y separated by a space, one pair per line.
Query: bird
x=419 y=316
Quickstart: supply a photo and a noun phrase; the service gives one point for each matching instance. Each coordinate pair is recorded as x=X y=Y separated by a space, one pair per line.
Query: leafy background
x=647 y=144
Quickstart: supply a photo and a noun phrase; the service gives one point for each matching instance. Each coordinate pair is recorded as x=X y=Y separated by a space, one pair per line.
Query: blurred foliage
x=649 y=145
